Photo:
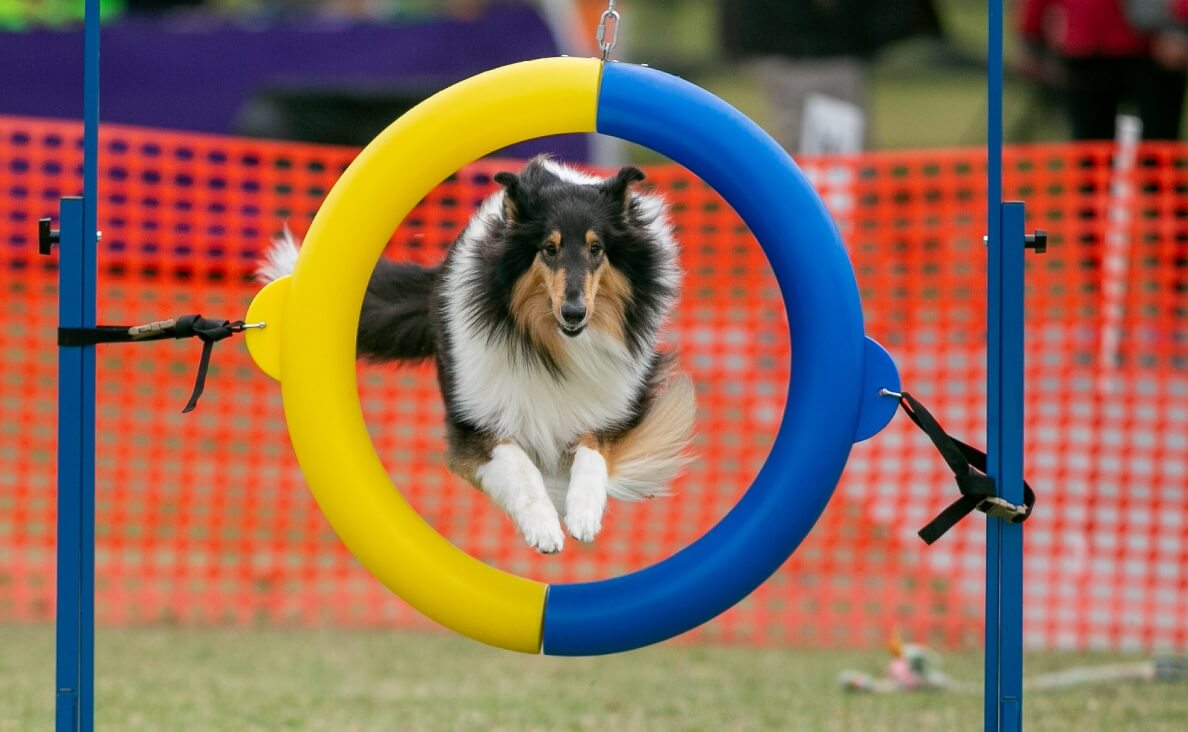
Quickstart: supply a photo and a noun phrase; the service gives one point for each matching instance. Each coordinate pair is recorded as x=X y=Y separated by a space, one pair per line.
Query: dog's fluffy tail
x=653 y=453
x=280 y=259
x=395 y=322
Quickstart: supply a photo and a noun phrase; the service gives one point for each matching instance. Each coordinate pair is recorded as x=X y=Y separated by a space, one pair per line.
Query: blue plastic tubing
x=775 y=199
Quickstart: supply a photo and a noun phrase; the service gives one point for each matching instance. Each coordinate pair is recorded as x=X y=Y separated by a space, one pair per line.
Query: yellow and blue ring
x=831 y=402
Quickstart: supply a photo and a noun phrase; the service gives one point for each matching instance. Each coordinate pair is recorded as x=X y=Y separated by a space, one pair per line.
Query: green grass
x=165 y=679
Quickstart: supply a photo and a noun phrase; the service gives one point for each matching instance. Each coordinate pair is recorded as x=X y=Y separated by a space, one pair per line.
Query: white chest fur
x=519 y=400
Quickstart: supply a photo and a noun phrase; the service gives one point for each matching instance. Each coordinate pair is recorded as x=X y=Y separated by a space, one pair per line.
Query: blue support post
x=1004 y=416
x=1004 y=540
x=71 y=468
x=75 y=657
x=76 y=477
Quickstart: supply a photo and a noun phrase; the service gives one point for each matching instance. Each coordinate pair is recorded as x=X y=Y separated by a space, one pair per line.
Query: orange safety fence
x=204 y=518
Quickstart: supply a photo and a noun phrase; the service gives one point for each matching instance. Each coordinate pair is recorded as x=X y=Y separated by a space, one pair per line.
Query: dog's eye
x=550 y=250
x=595 y=249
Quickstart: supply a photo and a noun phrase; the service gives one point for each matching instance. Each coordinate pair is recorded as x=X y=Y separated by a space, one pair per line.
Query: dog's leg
x=512 y=480
x=585 y=501
x=503 y=471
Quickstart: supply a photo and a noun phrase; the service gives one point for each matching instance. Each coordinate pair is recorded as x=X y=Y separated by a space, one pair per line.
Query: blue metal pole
x=90 y=288
x=994 y=124
x=993 y=277
x=1005 y=465
x=74 y=689
x=1004 y=415
x=70 y=468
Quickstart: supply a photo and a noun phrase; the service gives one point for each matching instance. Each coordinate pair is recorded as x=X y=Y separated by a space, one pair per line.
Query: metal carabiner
x=610 y=14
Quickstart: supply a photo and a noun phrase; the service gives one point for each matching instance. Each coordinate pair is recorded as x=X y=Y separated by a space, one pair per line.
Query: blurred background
x=226 y=602
x=336 y=71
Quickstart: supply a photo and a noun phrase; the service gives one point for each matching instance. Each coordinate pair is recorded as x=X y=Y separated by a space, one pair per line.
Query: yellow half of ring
x=321 y=314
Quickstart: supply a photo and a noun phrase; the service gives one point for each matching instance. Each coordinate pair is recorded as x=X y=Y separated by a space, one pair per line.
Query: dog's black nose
x=573 y=313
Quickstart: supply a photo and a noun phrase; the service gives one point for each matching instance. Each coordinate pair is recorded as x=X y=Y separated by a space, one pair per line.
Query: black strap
x=969 y=468
x=200 y=379
x=207 y=330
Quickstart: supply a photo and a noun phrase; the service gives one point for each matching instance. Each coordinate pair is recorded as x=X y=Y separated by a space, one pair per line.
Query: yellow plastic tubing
x=317 y=339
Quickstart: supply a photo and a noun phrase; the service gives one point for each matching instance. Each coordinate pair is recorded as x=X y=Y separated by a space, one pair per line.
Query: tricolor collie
x=544 y=320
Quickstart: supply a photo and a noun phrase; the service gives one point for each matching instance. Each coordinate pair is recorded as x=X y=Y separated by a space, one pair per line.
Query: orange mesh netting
x=204 y=517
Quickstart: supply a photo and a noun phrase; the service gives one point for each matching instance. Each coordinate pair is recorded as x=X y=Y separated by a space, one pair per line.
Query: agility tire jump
x=833 y=397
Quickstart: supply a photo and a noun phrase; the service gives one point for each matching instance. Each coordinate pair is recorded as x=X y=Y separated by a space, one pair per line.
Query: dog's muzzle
x=573 y=318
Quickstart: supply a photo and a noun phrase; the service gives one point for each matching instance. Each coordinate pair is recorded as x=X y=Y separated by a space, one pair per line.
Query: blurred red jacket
x=1081 y=28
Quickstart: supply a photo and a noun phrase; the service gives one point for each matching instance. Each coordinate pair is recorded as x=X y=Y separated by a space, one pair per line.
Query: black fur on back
x=395 y=321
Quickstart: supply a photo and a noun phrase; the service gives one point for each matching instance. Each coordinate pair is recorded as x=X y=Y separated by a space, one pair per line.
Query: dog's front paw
x=541 y=528
x=583 y=516
x=514 y=482
x=585 y=501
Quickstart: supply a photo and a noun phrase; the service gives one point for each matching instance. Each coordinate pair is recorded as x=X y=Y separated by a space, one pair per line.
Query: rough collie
x=545 y=320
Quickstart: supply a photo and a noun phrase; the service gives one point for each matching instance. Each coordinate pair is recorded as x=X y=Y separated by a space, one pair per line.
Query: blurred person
x=1108 y=53
x=798 y=49
x=1167 y=22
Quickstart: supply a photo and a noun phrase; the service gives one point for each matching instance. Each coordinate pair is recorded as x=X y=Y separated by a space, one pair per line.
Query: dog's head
x=567 y=236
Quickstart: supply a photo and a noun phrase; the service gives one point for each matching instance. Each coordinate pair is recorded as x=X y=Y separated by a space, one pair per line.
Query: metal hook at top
x=609 y=15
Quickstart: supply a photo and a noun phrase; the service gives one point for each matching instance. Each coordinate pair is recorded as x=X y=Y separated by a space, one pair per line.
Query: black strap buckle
x=996 y=507
x=968 y=464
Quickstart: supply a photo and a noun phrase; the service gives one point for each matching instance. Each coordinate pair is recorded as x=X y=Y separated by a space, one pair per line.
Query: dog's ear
x=513 y=195
x=618 y=188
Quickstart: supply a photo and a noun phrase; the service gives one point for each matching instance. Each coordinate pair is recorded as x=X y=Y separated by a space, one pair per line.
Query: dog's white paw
x=515 y=483
x=583 y=517
x=541 y=528
x=586 y=500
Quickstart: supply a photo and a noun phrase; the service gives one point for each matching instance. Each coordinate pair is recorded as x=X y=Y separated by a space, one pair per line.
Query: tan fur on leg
x=646 y=459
